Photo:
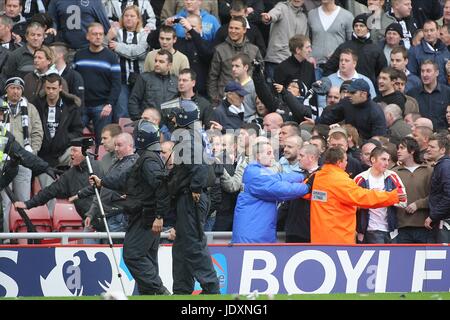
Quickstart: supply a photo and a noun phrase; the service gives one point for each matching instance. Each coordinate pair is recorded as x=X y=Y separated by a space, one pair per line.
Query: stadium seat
x=66 y=217
x=125 y=121
x=87 y=132
x=39 y=216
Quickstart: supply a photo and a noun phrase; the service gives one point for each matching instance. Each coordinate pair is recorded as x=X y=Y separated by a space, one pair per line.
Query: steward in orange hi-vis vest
x=334 y=199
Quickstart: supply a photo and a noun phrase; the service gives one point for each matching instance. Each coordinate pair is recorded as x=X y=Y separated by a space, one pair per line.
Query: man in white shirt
x=378 y=225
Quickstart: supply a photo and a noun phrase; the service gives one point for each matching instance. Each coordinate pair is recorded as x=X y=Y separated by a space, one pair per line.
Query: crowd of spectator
x=287 y=91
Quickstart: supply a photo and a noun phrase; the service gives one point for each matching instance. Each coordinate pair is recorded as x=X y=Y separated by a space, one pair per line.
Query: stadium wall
x=89 y=270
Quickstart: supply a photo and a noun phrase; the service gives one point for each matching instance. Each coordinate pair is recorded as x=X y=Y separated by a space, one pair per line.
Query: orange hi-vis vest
x=334 y=199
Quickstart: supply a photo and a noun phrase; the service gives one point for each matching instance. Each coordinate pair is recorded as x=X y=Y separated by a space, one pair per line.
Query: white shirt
x=377 y=217
x=327 y=20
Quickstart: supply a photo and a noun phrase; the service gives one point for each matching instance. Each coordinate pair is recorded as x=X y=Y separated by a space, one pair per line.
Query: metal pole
x=91 y=172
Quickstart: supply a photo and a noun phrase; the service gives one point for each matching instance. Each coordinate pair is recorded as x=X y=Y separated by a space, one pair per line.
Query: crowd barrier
x=72 y=270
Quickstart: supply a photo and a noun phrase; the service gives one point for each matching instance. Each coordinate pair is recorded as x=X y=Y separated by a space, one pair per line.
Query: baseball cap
x=234 y=86
x=359 y=85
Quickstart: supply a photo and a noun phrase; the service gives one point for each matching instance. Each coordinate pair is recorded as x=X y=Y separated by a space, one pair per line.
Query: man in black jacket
x=153 y=88
x=371 y=58
x=198 y=50
x=61 y=122
x=439 y=198
x=359 y=111
x=187 y=81
x=68 y=184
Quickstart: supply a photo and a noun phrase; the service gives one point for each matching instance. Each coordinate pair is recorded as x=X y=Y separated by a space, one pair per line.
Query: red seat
x=39 y=216
x=88 y=133
x=66 y=218
x=125 y=121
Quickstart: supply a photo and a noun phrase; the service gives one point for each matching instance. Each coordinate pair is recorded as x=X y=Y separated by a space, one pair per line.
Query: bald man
x=115 y=216
x=272 y=121
x=422 y=122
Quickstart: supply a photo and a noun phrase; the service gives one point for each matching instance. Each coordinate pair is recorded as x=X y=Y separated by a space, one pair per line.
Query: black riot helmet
x=145 y=134
x=187 y=114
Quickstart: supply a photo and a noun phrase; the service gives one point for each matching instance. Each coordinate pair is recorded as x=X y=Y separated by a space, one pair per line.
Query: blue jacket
x=422 y=52
x=439 y=198
x=255 y=215
x=210 y=25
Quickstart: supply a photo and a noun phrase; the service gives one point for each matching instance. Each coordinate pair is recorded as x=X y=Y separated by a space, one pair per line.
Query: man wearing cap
x=370 y=57
x=401 y=11
x=24 y=122
x=359 y=111
x=392 y=39
x=230 y=113
x=17 y=155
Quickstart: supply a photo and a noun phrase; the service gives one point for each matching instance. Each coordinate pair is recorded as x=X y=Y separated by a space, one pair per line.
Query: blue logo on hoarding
x=220 y=265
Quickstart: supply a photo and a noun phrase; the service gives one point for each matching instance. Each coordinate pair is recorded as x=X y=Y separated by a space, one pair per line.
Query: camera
x=176 y=20
x=83 y=142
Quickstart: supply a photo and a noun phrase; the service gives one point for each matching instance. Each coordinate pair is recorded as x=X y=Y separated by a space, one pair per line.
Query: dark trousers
x=296 y=239
x=140 y=252
x=414 y=235
x=190 y=255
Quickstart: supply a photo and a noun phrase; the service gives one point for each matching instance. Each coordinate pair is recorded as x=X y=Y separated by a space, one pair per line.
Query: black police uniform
x=190 y=255
x=146 y=199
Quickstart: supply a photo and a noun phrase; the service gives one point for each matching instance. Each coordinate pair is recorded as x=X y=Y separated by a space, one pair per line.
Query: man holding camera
x=146 y=201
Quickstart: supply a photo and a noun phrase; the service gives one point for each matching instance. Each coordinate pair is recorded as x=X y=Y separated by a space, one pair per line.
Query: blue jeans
x=377 y=236
x=121 y=109
x=93 y=113
x=117 y=223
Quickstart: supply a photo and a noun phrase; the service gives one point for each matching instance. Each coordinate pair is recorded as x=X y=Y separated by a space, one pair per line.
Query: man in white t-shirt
x=378 y=225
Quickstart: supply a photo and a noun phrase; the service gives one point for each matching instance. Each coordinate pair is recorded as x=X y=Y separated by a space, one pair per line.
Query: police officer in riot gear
x=146 y=201
x=188 y=182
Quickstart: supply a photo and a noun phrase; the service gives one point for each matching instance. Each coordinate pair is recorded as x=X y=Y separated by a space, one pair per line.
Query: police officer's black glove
x=53 y=172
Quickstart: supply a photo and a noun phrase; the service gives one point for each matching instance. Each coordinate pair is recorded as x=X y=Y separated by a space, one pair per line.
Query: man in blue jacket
x=255 y=215
x=439 y=198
